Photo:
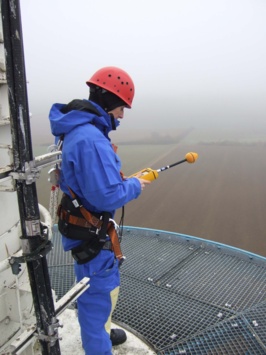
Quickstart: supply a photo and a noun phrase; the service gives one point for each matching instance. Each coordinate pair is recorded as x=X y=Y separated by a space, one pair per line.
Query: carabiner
x=114 y=223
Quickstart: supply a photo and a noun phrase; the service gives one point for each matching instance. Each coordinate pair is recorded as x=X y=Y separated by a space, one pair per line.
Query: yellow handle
x=147 y=174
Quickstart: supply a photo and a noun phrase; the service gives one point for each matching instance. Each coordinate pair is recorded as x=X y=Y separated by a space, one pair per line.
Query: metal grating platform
x=184 y=295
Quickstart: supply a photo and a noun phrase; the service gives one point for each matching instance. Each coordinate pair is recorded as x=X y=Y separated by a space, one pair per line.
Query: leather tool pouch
x=86 y=251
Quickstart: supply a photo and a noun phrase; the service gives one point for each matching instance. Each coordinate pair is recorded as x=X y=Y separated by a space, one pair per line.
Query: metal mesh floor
x=183 y=295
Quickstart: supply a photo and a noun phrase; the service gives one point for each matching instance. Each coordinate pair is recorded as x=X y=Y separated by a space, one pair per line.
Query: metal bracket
x=30 y=173
x=40 y=252
x=31 y=170
x=52 y=336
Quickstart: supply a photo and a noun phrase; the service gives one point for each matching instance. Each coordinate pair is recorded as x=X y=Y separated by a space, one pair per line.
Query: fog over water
x=194 y=63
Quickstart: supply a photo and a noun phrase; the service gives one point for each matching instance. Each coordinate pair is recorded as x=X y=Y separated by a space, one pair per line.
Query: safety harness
x=96 y=231
x=91 y=229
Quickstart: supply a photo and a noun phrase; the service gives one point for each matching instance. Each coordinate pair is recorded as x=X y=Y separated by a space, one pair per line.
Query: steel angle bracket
x=72 y=295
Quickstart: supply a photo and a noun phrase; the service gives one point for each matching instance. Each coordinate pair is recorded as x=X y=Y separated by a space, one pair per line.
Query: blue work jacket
x=90 y=166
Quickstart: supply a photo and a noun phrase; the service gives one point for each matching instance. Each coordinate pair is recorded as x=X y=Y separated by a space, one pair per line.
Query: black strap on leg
x=103 y=231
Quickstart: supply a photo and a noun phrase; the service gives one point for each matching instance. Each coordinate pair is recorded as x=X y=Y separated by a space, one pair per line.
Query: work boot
x=118 y=336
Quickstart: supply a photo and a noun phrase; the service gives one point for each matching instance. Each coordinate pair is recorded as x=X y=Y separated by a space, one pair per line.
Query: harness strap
x=115 y=242
x=69 y=218
x=95 y=222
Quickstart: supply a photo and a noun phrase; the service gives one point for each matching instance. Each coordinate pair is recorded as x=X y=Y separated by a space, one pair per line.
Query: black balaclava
x=107 y=100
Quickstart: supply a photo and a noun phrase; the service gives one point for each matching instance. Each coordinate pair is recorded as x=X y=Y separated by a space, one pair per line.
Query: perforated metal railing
x=184 y=295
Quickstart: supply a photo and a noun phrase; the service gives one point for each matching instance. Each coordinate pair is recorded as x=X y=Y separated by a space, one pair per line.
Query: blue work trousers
x=96 y=304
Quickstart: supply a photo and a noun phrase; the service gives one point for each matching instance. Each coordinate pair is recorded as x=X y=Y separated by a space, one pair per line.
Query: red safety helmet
x=115 y=80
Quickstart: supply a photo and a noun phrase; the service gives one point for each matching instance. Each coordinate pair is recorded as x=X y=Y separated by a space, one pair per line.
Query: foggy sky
x=194 y=63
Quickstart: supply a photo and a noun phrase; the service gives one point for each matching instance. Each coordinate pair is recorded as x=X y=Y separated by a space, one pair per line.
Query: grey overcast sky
x=194 y=62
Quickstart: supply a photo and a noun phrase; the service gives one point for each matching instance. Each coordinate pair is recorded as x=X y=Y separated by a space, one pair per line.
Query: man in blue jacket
x=90 y=177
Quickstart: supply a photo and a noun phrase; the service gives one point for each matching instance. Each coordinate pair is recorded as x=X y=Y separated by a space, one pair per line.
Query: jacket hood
x=63 y=123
